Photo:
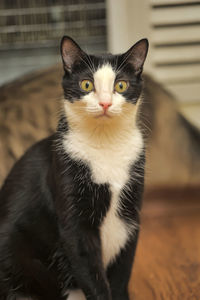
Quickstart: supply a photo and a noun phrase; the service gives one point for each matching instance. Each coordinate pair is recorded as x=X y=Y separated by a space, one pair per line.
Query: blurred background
x=30 y=33
x=173 y=29
x=168 y=258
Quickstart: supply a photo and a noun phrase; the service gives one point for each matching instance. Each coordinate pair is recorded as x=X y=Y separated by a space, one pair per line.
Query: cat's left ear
x=71 y=53
x=136 y=55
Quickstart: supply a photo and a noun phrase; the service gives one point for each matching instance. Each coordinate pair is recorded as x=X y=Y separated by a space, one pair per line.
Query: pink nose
x=105 y=105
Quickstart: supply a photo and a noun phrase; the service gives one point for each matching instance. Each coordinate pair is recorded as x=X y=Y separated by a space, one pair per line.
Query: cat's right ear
x=71 y=53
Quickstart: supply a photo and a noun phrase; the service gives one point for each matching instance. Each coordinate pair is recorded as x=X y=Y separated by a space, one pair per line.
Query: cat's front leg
x=88 y=270
x=119 y=272
x=83 y=249
x=79 y=233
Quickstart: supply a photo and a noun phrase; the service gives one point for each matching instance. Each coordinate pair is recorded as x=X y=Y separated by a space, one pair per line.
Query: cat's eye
x=121 y=86
x=87 y=85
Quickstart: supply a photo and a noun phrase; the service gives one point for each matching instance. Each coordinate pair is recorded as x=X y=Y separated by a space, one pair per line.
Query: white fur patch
x=76 y=295
x=104 y=79
x=104 y=82
x=114 y=232
x=109 y=152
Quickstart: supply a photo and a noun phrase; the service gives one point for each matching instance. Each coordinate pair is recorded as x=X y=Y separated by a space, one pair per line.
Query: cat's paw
x=76 y=295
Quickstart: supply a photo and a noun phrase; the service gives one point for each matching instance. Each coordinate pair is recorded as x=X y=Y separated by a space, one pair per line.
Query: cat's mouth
x=103 y=115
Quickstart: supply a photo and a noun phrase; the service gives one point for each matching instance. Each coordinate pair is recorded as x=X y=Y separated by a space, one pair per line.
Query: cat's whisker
x=91 y=62
x=121 y=66
x=94 y=109
x=116 y=111
x=88 y=65
x=116 y=63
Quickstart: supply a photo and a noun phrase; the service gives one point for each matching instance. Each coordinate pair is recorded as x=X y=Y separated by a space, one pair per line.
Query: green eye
x=87 y=85
x=121 y=86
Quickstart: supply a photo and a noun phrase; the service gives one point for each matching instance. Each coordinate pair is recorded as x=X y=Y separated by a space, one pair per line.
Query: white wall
x=128 y=22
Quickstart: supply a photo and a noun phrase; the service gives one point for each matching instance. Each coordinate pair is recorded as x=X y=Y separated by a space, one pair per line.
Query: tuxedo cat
x=69 y=209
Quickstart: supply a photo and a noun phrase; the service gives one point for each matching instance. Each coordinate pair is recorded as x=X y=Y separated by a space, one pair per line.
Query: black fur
x=49 y=225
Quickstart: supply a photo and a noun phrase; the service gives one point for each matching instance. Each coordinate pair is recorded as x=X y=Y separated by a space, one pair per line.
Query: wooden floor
x=167 y=264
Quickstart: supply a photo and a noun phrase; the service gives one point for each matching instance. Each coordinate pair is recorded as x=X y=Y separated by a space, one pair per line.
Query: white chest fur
x=109 y=165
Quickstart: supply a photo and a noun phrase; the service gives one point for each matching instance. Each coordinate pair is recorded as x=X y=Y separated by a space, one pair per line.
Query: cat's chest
x=109 y=165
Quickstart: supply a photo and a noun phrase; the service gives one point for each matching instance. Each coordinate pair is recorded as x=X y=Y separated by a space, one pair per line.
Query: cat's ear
x=71 y=53
x=136 y=55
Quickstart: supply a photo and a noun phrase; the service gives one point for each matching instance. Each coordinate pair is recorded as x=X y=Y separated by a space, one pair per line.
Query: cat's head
x=102 y=87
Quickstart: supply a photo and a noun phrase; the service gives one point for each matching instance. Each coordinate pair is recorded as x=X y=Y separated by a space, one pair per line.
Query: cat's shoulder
x=34 y=161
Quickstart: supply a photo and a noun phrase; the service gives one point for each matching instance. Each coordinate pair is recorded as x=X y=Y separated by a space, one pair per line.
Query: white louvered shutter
x=175 y=46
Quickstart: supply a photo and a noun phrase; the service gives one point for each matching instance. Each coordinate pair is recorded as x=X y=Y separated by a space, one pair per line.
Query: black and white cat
x=69 y=209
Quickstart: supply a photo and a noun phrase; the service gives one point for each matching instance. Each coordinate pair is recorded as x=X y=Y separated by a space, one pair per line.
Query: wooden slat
x=48 y=9
x=185 y=92
x=176 y=54
x=176 y=35
x=175 y=15
x=175 y=74
x=50 y=26
x=173 y=2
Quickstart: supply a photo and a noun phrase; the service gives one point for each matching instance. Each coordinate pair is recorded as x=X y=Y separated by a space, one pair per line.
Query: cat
x=69 y=209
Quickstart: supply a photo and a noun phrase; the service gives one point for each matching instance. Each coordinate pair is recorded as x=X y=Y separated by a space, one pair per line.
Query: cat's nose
x=105 y=99
x=105 y=105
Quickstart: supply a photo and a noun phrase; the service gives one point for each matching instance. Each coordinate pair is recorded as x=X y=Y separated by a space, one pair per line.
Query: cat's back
x=28 y=179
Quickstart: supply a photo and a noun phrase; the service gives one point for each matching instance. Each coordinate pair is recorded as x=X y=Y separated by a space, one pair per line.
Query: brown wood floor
x=167 y=264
